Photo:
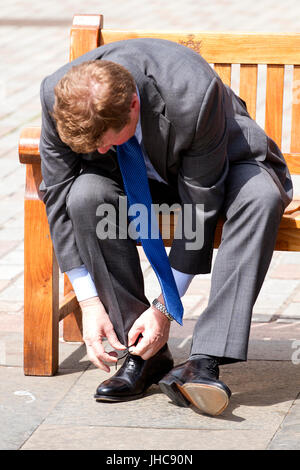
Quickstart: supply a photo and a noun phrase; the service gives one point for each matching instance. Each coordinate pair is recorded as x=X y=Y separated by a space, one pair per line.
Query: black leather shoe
x=197 y=382
x=135 y=376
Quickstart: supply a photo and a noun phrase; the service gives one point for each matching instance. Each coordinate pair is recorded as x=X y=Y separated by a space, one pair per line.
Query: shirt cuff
x=84 y=286
x=182 y=281
x=82 y=283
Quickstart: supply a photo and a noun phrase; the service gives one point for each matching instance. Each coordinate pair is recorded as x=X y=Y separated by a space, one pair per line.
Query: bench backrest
x=223 y=50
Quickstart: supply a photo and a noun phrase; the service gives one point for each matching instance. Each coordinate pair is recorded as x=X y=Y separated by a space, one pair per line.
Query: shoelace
x=122 y=357
x=127 y=350
x=213 y=366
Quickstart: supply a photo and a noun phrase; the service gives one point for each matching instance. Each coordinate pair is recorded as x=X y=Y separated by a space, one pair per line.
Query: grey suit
x=201 y=140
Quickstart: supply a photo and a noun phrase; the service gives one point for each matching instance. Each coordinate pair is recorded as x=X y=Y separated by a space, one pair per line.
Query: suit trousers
x=253 y=208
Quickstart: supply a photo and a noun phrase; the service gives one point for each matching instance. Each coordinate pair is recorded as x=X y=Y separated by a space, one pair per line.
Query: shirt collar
x=138 y=130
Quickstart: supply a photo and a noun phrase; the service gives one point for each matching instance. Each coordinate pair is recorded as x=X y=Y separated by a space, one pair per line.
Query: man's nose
x=104 y=149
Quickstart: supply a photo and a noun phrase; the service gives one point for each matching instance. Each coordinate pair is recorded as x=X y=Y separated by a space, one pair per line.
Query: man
x=200 y=146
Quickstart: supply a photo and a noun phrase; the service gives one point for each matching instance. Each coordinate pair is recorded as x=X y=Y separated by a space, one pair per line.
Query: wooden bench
x=42 y=308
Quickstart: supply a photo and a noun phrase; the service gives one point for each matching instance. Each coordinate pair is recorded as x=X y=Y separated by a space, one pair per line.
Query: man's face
x=112 y=137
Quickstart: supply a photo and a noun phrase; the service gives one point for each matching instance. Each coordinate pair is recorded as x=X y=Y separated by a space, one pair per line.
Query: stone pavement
x=59 y=412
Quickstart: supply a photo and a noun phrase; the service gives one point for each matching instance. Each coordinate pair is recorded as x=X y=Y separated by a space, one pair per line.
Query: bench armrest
x=29 y=145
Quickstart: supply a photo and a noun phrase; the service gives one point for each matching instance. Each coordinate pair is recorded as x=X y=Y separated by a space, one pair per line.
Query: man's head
x=96 y=106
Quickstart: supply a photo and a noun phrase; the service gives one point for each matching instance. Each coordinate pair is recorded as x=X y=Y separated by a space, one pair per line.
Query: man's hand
x=96 y=325
x=154 y=327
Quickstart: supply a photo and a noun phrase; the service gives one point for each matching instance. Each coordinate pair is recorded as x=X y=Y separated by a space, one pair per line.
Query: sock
x=204 y=356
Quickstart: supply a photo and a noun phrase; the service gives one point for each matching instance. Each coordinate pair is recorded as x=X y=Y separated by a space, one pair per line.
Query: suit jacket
x=194 y=127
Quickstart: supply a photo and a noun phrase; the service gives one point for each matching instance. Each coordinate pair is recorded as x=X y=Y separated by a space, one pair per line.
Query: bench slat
x=274 y=102
x=224 y=72
x=72 y=323
x=288 y=235
x=293 y=162
x=229 y=48
x=295 y=131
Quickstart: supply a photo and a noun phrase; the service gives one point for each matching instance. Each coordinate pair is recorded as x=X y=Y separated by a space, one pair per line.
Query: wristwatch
x=157 y=304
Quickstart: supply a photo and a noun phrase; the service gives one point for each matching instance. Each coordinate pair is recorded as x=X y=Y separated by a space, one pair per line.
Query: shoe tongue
x=134 y=359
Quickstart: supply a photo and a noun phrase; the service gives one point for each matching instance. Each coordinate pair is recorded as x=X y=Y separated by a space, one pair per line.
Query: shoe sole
x=209 y=399
x=171 y=390
x=107 y=398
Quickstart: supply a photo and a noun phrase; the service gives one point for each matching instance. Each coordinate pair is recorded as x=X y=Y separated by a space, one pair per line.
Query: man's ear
x=135 y=102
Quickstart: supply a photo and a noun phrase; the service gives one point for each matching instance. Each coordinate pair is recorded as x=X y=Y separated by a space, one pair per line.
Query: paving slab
x=114 y=438
x=25 y=401
x=275 y=341
x=13 y=258
x=287 y=271
x=291 y=311
x=263 y=393
x=263 y=314
x=9 y=307
x=268 y=341
x=3 y=284
x=288 y=435
x=7 y=246
x=72 y=356
x=296 y=296
x=12 y=294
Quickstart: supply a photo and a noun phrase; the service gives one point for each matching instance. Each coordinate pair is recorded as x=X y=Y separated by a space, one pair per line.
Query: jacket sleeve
x=201 y=182
x=60 y=167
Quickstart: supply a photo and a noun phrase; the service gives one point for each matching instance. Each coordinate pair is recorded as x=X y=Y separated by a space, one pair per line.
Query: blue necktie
x=134 y=174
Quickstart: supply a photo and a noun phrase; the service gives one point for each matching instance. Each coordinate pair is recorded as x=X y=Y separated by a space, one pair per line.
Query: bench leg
x=72 y=324
x=41 y=285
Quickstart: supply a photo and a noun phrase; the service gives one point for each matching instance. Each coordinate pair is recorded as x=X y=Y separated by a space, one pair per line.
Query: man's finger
x=134 y=333
x=98 y=355
x=141 y=347
x=113 y=354
x=101 y=354
x=149 y=353
x=93 y=358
